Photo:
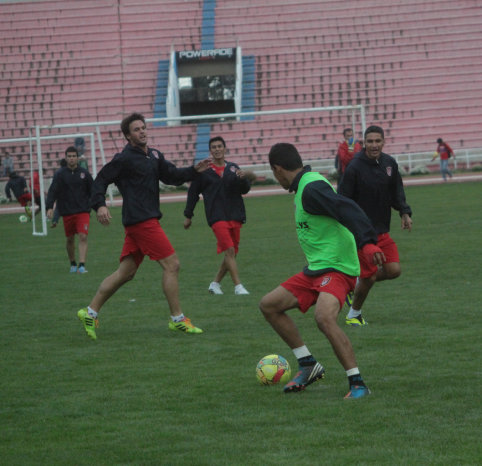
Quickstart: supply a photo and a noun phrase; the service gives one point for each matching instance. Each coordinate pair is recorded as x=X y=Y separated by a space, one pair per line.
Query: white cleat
x=215 y=288
x=240 y=289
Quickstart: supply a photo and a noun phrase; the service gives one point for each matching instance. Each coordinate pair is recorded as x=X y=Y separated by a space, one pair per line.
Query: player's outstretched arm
x=202 y=165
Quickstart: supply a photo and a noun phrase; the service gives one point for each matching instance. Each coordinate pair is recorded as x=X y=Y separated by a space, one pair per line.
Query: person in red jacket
x=346 y=151
x=444 y=151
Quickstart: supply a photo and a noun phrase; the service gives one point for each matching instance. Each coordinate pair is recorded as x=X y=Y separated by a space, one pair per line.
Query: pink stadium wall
x=415 y=65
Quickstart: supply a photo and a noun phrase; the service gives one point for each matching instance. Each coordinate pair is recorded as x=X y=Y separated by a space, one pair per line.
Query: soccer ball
x=273 y=369
x=23 y=219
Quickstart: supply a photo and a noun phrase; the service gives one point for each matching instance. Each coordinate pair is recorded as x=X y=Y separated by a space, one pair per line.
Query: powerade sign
x=206 y=55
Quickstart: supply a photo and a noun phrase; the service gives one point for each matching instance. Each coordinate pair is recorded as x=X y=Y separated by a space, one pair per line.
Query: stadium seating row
x=413 y=65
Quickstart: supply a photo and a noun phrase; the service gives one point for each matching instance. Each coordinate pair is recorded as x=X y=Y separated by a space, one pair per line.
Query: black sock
x=307 y=361
x=356 y=380
x=81 y=264
x=73 y=263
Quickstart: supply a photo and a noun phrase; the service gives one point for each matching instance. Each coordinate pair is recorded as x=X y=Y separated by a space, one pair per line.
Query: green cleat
x=90 y=323
x=356 y=321
x=184 y=325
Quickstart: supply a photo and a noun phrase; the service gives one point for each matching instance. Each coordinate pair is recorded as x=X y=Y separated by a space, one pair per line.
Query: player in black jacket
x=71 y=189
x=136 y=171
x=18 y=186
x=222 y=187
x=373 y=181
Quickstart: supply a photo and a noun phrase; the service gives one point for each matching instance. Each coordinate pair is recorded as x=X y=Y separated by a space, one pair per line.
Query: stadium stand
x=414 y=65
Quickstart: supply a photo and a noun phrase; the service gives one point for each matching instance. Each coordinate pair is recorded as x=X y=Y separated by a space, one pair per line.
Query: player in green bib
x=330 y=229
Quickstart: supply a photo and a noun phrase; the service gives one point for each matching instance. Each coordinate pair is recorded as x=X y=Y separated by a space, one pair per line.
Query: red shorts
x=24 y=199
x=389 y=248
x=76 y=223
x=307 y=289
x=146 y=239
x=227 y=234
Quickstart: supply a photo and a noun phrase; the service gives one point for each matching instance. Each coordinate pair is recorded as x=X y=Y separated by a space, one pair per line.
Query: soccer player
x=222 y=187
x=17 y=185
x=373 y=181
x=137 y=171
x=71 y=189
x=330 y=227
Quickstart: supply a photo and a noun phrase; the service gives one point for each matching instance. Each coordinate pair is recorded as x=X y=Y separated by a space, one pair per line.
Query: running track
x=272 y=190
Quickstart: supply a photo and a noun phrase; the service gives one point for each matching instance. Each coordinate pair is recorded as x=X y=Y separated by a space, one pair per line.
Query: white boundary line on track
x=272 y=190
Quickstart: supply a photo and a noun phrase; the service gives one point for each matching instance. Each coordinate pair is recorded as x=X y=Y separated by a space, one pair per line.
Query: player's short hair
x=440 y=140
x=374 y=129
x=126 y=122
x=71 y=149
x=286 y=156
x=216 y=138
x=346 y=131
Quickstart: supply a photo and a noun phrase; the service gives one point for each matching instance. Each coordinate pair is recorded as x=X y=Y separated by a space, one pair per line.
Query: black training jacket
x=137 y=175
x=18 y=185
x=222 y=195
x=377 y=187
x=71 y=189
x=319 y=198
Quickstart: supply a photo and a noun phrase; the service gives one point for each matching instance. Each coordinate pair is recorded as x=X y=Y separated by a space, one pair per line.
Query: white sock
x=301 y=352
x=177 y=318
x=353 y=371
x=91 y=312
x=353 y=313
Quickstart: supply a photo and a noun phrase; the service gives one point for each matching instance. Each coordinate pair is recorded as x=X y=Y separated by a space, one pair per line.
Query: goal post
x=315 y=131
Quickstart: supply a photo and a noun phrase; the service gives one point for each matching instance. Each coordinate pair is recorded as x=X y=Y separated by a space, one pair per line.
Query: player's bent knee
x=125 y=276
x=266 y=306
x=393 y=272
x=130 y=276
x=171 y=264
x=324 y=322
x=263 y=305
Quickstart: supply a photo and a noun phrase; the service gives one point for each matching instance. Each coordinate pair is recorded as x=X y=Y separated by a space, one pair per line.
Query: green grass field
x=143 y=395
